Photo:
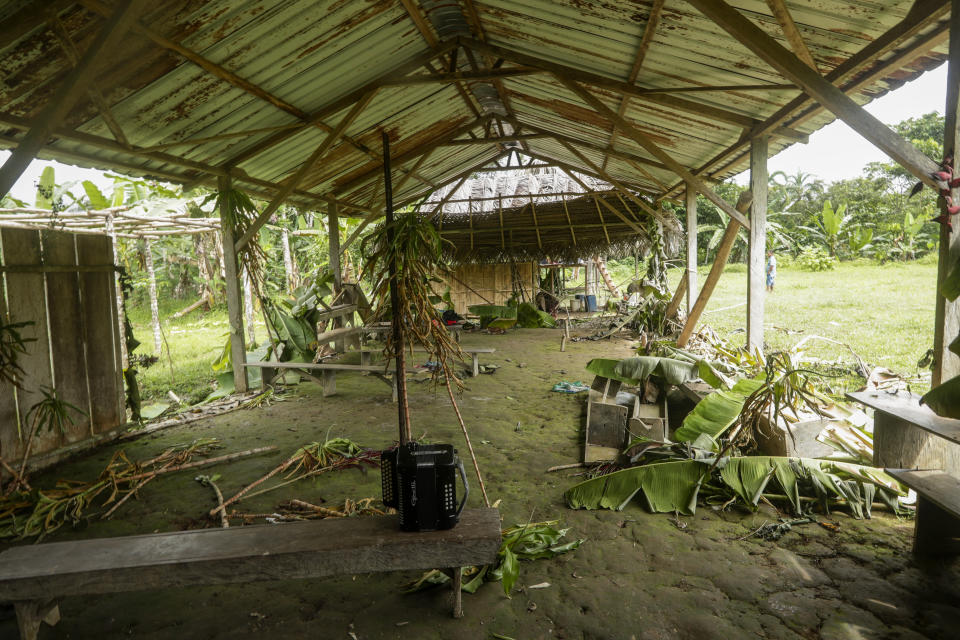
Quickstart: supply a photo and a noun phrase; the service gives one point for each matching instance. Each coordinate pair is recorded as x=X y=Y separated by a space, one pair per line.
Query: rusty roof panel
x=307 y=55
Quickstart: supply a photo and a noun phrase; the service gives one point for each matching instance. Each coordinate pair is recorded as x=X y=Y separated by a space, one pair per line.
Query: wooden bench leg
x=267 y=376
x=936 y=531
x=476 y=364
x=366 y=357
x=457 y=583
x=32 y=613
x=329 y=382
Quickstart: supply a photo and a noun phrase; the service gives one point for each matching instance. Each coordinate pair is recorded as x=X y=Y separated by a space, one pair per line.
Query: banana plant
x=676 y=485
x=858 y=240
x=830 y=225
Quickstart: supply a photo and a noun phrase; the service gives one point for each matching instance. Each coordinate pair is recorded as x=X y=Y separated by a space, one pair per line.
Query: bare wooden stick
x=16 y=478
x=203 y=463
x=466 y=436
x=281 y=467
x=207 y=480
x=129 y=494
x=561 y=467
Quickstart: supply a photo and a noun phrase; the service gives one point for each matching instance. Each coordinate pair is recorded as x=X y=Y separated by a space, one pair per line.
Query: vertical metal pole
x=946 y=364
x=401 y=373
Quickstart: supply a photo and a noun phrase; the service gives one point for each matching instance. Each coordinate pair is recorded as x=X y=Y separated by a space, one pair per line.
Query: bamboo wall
x=65 y=284
x=491 y=281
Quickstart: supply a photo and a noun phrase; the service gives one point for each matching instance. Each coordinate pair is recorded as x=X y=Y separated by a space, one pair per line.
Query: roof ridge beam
x=824 y=92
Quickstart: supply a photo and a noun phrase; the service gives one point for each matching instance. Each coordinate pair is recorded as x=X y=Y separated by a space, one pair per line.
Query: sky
x=835 y=152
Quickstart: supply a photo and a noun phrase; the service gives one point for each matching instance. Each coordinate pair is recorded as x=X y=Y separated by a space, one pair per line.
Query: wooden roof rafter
x=649 y=29
x=859 y=70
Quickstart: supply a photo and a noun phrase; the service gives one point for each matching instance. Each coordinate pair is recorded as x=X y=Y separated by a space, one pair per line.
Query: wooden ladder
x=607 y=280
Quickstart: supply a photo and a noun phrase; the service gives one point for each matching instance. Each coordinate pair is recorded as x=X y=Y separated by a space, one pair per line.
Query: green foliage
x=12 y=346
x=531 y=541
x=815 y=259
x=52 y=413
x=529 y=317
x=717 y=412
x=674 y=486
x=945 y=398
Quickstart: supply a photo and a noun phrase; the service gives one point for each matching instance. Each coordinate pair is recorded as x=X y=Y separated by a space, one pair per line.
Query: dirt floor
x=637 y=575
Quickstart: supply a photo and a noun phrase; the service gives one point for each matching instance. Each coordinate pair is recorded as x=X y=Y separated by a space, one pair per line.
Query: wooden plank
x=907 y=407
x=946 y=364
x=66 y=331
x=231 y=269
x=719 y=262
x=791 y=32
x=339 y=333
x=940 y=488
x=337 y=311
x=299 y=550
x=814 y=85
x=101 y=334
x=26 y=302
x=690 y=199
x=756 y=262
x=70 y=89
x=322 y=366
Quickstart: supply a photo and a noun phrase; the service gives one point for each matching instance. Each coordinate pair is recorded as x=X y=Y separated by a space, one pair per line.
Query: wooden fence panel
x=104 y=372
x=66 y=330
x=9 y=441
x=25 y=302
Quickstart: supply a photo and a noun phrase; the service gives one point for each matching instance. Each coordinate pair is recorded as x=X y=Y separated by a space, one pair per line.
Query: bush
x=815 y=259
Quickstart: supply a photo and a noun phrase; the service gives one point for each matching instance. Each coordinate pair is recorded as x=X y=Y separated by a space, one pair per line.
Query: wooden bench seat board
x=907 y=407
x=937 y=525
x=300 y=550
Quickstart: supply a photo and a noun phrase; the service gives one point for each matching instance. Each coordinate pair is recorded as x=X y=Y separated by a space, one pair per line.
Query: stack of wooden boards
x=921 y=450
x=614 y=418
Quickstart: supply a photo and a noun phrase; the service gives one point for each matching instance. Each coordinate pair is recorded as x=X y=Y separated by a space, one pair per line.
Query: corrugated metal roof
x=260 y=65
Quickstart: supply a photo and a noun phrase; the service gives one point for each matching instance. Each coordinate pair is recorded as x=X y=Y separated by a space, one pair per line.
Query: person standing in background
x=771 y=270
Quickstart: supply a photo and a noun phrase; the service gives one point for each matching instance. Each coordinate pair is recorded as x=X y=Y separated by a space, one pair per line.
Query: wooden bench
x=366 y=353
x=270 y=371
x=921 y=450
x=35 y=577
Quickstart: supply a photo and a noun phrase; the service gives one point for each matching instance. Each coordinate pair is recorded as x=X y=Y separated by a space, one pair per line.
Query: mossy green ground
x=637 y=575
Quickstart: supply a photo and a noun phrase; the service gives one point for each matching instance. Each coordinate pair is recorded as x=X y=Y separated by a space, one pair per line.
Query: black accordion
x=420 y=482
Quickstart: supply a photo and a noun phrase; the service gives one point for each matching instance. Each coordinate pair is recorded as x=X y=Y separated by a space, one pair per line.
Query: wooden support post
x=456 y=583
x=691 y=201
x=333 y=234
x=32 y=613
x=75 y=85
x=238 y=350
x=154 y=304
x=756 y=277
x=723 y=254
x=946 y=364
x=677 y=298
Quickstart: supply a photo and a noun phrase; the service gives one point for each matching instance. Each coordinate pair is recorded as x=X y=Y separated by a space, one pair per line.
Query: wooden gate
x=64 y=284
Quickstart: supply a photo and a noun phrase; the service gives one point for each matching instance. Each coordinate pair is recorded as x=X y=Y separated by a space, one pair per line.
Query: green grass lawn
x=195 y=341
x=885 y=313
